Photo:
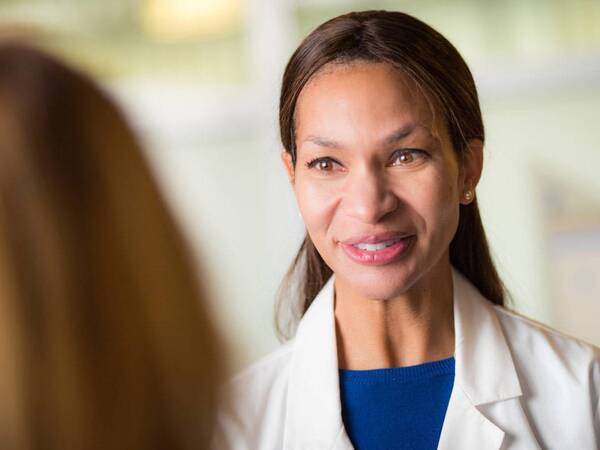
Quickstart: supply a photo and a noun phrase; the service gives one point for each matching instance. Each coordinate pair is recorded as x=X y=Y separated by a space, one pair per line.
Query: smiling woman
x=429 y=88
x=403 y=340
x=388 y=156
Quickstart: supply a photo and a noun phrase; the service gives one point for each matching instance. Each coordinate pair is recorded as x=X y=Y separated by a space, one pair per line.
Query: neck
x=409 y=329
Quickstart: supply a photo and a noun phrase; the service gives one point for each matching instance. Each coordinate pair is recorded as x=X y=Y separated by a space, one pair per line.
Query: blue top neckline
x=399 y=374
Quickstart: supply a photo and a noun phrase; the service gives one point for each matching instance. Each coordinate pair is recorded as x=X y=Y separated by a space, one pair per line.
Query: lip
x=378 y=257
x=375 y=238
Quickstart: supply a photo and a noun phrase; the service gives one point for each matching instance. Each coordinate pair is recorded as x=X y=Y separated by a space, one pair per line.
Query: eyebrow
x=392 y=138
x=321 y=141
x=399 y=134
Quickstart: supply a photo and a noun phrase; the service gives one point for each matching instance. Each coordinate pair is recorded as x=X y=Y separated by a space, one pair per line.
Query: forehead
x=361 y=96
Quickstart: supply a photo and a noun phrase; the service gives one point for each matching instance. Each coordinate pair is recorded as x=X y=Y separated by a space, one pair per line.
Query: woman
x=105 y=343
x=404 y=341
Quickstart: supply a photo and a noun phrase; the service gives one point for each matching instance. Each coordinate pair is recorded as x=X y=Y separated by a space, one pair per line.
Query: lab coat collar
x=484 y=366
x=485 y=373
x=314 y=410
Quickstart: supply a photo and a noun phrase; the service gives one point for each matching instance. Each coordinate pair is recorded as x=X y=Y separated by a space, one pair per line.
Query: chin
x=378 y=283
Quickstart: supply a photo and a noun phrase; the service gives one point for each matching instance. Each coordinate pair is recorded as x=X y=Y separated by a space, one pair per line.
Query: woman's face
x=377 y=181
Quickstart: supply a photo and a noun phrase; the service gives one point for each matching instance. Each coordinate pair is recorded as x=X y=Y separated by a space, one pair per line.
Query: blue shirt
x=396 y=409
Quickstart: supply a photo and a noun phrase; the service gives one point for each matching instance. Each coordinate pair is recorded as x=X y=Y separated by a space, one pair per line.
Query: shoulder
x=537 y=347
x=253 y=401
x=557 y=373
x=520 y=329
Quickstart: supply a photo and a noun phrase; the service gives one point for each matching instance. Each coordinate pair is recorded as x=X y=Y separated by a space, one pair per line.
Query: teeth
x=376 y=247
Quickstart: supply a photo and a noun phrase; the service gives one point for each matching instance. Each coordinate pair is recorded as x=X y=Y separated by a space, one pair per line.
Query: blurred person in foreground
x=104 y=340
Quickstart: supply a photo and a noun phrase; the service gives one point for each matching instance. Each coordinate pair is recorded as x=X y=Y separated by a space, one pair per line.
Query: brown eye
x=322 y=164
x=408 y=157
x=405 y=157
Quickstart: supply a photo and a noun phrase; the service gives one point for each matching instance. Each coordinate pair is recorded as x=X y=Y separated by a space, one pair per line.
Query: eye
x=407 y=157
x=324 y=164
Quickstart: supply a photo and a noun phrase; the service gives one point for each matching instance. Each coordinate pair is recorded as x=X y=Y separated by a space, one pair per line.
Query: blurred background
x=199 y=80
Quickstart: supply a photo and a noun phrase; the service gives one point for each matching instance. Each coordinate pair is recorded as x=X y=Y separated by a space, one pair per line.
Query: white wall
x=555 y=139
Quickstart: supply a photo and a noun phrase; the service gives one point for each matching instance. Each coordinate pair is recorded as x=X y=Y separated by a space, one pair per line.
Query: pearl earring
x=468 y=196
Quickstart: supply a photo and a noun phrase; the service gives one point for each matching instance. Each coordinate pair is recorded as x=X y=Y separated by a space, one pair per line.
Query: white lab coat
x=518 y=385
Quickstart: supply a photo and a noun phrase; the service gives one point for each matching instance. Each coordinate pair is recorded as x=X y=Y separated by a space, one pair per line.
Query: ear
x=472 y=166
x=286 y=158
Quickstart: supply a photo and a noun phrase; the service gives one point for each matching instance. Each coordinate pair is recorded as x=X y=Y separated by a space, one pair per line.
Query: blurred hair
x=108 y=343
x=438 y=70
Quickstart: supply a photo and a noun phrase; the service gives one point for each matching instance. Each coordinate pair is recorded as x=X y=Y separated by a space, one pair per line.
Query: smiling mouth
x=380 y=252
x=378 y=246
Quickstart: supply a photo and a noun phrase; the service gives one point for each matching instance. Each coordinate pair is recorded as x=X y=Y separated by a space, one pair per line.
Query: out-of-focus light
x=185 y=19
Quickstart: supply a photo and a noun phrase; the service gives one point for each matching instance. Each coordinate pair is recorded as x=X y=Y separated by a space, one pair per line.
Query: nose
x=368 y=197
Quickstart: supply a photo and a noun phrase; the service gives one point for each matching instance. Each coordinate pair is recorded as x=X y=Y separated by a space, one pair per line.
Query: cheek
x=317 y=202
x=442 y=205
x=433 y=197
x=443 y=193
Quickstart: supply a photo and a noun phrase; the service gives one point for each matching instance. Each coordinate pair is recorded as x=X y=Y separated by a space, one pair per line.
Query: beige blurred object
x=183 y=19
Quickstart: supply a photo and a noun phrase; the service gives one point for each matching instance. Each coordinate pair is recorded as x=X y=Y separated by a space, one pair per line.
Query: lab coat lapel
x=314 y=412
x=485 y=397
x=466 y=428
x=485 y=373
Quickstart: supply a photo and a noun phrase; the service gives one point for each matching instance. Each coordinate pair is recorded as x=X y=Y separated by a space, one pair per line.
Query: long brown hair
x=112 y=345
x=440 y=72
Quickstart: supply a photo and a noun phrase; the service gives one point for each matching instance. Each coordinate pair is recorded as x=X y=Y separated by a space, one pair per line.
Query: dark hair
x=437 y=68
x=113 y=345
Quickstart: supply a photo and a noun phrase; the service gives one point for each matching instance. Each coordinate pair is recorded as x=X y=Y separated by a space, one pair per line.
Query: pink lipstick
x=377 y=250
